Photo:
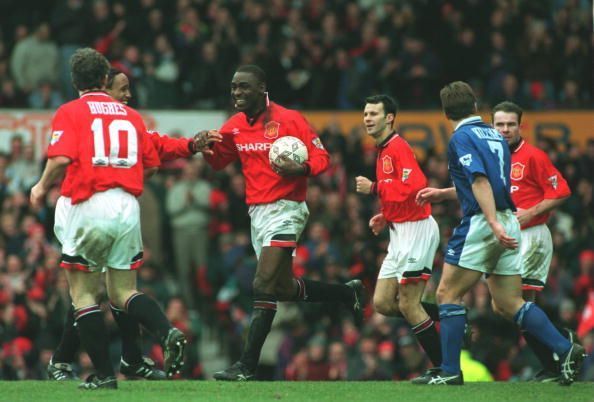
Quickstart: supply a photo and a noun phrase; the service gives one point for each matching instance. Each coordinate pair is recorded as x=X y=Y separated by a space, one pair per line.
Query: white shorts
x=537 y=253
x=411 y=251
x=278 y=224
x=474 y=246
x=103 y=231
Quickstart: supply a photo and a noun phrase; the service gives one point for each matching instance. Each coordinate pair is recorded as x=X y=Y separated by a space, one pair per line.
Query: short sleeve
x=549 y=178
x=63 y=140
x=467 y=156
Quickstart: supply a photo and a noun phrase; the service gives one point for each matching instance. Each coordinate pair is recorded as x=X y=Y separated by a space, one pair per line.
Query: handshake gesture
x=204 y=139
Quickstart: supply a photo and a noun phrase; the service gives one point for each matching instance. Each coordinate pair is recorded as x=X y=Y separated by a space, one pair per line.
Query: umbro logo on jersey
x=451 y=251
x=235 y=131
x=412 y=260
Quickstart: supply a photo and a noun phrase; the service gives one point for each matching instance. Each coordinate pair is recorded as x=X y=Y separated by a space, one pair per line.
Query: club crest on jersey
x=554 y=182
x=405 y=174
x=387 y=165
x=271 y=130
x=56 y=137
x=517 y=171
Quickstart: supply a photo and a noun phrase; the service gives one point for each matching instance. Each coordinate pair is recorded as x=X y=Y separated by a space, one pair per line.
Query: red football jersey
x=399 y=179
x=250 y=141
x=533 y=179
x=107 y=143
x=170 y=148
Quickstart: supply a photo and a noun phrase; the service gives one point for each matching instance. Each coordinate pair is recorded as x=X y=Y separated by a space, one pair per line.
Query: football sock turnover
x=149 y=314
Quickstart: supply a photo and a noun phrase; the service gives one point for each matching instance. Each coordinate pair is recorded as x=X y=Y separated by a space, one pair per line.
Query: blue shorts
x=474 y=246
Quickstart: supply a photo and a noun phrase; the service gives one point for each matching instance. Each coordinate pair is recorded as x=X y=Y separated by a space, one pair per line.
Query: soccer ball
x=289 y=146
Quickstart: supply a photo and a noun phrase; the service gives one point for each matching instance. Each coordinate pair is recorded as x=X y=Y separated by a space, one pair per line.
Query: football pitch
x=182 y=391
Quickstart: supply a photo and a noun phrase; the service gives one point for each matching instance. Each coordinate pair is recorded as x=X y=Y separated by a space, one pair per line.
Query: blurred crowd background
x=318 y=54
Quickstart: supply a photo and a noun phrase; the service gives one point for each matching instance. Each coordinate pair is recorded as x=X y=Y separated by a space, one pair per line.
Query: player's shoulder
x=233 y=122
x=461 y=134
x=71 y=106
x=281 y=112
x=398 y=143
x=131 y=112
x=533 y=151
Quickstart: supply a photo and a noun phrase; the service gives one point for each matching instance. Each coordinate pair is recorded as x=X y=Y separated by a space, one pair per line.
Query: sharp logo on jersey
x=56 y=137
x=466 y=160
x=405 y=174
x=317 y=143
x=554 y=182
x=387 y=165
x=271 y=130
x=257 y=146
x=517 y=171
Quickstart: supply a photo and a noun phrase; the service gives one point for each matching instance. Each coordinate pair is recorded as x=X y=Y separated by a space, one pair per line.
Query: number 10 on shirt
x=119 y=156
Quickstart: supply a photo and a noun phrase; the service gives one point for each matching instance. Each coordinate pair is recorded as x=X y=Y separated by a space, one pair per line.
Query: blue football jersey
x=477 y=148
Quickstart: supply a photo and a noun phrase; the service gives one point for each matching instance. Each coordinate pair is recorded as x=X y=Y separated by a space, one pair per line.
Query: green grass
x=183 y=391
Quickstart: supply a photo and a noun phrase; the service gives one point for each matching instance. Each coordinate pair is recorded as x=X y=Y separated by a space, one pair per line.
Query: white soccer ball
x=289 y=146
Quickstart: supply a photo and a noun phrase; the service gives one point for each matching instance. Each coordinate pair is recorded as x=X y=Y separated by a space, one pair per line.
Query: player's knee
x=407 y=306
x=496 y=308
x=119 y=297
x=507 y=308
x=262 y=285
x=384 y=305
x=442 y=295
x=82 y=297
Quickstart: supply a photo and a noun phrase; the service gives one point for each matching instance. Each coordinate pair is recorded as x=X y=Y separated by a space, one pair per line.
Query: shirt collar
x=518 y=146
x=95 y=93
x=387 y=140
x=469 y=120
x=252 y=120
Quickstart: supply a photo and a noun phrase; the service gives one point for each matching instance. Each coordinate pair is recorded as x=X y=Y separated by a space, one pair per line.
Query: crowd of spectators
x=319 y=54
x=309 y=341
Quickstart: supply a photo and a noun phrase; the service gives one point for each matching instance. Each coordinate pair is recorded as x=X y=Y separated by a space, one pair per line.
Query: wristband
x=192 y=147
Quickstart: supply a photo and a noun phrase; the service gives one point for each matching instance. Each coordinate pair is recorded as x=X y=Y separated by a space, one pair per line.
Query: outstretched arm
x=430 y=194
